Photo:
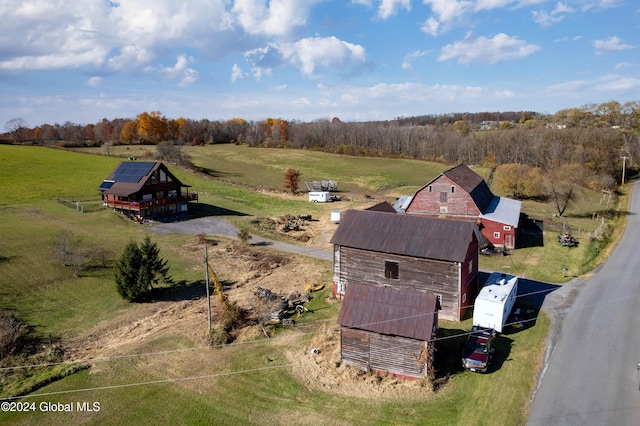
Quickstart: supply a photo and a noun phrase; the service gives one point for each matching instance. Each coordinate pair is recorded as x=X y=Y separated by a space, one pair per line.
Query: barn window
x=453 y=189
x=391 y=270
x=496 y=235
x=438 y=301
x=507 y=228
x=430 y=188
x=443 y=209
x=443 y=197
x=471 y=267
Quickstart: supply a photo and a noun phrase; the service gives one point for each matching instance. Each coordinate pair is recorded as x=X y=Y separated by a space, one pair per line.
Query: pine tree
x=139 y=268
x=127 y=271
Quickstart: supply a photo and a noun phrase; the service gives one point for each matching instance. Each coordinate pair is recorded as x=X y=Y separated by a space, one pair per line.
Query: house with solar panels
x=145 y=190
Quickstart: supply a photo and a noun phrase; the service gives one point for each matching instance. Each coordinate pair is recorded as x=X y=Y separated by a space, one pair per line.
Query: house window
x=496 y=235
x=172 y=193
x=154 y=178
x=391 y=270
x=430 y=188
x=471 y=267
x=163 y=176
x=464 y=297
x=438 y=301
x=443 y=209
x=453 y=189
x=443 y=197
x=507 y=228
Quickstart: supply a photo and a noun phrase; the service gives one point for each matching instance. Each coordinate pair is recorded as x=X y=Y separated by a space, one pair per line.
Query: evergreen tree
x=154 y=267
x=127 y=271
x=139 y=268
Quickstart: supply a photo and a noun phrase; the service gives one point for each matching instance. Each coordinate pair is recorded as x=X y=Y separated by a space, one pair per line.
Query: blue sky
x=81 y=61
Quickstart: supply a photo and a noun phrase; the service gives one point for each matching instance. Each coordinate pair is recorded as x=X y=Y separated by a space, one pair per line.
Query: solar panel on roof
x=132 y=172
x=106 y=184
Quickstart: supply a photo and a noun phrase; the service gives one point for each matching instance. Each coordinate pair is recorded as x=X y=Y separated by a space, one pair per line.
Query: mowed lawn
x=180 y=381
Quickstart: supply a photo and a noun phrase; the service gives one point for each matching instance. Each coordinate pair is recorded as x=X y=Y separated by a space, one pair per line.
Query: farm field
x=151 y=362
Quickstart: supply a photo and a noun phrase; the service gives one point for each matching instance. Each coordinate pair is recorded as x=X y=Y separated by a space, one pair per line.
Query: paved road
x=590 y=376
x=219 y=226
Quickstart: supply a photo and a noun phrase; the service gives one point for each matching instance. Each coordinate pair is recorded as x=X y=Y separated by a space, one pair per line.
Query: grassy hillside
x=179 y=379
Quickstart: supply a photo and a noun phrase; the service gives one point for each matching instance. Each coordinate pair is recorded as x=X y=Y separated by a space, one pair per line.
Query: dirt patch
x=240 y=268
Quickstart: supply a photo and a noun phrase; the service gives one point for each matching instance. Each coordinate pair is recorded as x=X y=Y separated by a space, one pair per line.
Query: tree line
x=596 y=136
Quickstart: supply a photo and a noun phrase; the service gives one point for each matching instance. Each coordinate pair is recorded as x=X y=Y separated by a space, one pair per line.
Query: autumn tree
x=17 y=128
x=562 y=182
x=152 y=127
x=129 y=132
x=518 y=180
x=292 y=180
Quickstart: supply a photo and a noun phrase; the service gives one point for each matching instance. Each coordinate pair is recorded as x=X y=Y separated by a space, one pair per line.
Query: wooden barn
x=145 y=190
x=460 y=193
x=388 y=330
x=405 y=252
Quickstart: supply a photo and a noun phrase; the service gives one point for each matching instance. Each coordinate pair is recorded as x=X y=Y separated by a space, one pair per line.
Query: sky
x=358 y=60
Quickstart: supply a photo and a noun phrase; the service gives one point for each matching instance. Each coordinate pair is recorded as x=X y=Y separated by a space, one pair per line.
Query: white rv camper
x=320 y=197
x=495 y=301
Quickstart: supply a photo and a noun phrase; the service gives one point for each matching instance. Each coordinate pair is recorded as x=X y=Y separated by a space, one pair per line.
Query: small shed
x=388 y=330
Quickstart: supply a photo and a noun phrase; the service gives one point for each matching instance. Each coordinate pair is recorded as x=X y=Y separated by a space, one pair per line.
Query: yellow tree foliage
x=129 y=132
x=152 y=127
x=518 y=180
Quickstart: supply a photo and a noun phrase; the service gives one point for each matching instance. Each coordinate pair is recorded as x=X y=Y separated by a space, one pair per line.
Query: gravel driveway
x=221 y=227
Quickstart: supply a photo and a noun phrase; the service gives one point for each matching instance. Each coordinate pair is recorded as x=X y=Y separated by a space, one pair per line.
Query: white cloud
x=308 y=55
x=482 y=50
x=389 y=8
x=492 y=4
x=619 y=84
x=277 y=18
x=445 y=14
x=94 y=81
x=236 y=73
x=406 y=64
x=546 y=19
x=610 y=45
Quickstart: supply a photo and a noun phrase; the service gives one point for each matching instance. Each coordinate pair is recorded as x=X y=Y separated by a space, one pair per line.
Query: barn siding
x=387 y=354
x=355 y=347
x=396 y=355
x=459 y=202
x=491 y=227
x=427 y=275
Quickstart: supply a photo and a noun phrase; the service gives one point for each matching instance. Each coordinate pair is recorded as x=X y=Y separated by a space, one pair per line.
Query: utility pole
x=206 y=267
x=624 y=164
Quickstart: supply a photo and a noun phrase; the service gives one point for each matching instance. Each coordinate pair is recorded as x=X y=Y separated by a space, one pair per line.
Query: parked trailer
x=320 y=197
x=495 y=301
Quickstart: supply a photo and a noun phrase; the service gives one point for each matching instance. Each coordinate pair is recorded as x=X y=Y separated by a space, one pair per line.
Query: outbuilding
x=405 y=252
x=387 y=330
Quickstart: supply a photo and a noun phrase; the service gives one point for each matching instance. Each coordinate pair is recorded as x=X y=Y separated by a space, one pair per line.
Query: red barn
x=460 y=193
x=145 y=189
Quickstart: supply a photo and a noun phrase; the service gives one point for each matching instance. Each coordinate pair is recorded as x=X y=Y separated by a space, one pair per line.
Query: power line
x=154 y=382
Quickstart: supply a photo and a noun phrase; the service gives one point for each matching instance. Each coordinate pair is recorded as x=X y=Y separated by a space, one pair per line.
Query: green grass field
x=243 y=383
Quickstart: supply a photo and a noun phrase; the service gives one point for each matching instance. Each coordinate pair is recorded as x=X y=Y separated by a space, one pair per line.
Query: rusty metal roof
x=472 y=183
x=382 y=207
x=408 y=235
x=389 y=311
